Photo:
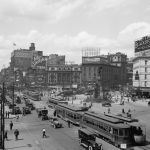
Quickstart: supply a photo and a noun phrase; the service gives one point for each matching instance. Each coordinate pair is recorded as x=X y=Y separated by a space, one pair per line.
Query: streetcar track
x=57 y=139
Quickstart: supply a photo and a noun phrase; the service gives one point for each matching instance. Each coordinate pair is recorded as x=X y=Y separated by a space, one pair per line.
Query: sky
x=64 y=27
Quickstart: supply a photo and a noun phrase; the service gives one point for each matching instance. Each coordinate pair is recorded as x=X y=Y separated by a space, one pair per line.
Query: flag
x=14 y=44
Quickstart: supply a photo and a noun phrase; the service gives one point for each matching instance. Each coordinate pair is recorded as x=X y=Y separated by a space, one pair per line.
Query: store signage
x=40 y=78
x=142 y=44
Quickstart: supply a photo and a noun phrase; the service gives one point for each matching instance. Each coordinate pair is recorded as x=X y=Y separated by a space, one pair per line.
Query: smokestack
x=32 y=47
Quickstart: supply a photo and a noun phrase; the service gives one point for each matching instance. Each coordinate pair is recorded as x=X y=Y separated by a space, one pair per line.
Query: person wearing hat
x=16 y=134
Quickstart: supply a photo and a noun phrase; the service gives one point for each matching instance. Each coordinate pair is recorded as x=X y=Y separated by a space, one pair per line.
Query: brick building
x=22 y=58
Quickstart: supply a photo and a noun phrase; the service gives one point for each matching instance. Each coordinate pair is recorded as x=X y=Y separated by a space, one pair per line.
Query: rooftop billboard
x=142 y=44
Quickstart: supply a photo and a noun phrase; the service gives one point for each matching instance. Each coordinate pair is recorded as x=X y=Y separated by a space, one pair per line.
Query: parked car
x=27 y=110
x=31 y=105
x=89 y=140
x=55 y=123
x=106 y=104
x=17 y=110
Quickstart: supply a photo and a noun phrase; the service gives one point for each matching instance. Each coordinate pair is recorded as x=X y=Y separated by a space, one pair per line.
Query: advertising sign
x=40 y=79
x=86 y=60
x=142 y=44
x=39 y=59
x=59 y=60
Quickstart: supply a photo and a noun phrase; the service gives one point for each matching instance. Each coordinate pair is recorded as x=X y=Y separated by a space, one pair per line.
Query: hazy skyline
x=64 y=27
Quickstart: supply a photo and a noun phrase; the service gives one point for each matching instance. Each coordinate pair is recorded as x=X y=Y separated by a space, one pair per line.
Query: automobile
x=89 y=140
x=10 y=105
x=27 y=110
x=38 y=109
x=106 y=104
x=17 y=110
x=55 y=122
x=31 y=105
x=42 y=112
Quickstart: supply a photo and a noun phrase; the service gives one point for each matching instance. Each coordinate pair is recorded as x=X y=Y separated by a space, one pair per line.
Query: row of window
x=69 y=114
x=99 y=125
x=76 y=69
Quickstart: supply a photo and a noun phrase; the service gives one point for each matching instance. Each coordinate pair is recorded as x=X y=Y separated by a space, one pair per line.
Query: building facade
x=120 y=60
x=22 y=58
x=65 y=76
x=129 y=73
x=141 y=73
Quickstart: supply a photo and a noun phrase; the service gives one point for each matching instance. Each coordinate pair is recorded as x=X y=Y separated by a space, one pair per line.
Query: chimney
x=31 y=48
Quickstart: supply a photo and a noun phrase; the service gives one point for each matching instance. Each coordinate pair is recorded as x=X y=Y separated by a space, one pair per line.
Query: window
x=120 y=132
x=145 y=62
x=145 y=83
x=145 y=76
x=145 y=69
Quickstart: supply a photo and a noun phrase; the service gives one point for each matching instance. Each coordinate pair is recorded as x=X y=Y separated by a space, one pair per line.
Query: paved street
x=30 y=127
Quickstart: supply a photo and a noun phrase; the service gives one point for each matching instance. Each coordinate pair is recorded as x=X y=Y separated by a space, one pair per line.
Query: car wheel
x=90 y=148
x=80 y=142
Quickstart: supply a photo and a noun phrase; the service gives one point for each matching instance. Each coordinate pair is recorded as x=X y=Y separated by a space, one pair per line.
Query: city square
x=75 y=75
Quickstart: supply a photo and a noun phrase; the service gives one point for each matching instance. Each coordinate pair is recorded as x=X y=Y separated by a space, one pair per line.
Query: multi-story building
x=129 y=73
x=65 y=76
x=120 y=60
x=141 y=74
x=22 y=58
x=110 y=76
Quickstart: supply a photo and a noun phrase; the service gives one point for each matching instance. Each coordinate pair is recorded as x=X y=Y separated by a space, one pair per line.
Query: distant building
x=129 y=73
x=65 y=76
x=141 y=74
x=120 y=60
x=22 y=58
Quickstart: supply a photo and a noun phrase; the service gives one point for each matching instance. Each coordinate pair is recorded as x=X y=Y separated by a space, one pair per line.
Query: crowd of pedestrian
x=7 y=114
x=16 y=132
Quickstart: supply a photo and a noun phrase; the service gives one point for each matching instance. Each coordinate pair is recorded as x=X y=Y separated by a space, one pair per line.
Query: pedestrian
x=5 y=135
x=11 y=125
x=108 y=110
x=44 y=135
x=17 y=117
x=6 y=114
x=16 y=134
x=68 y=123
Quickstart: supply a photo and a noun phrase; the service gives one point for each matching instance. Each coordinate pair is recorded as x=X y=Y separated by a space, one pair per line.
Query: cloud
x=102 y=5
x=46 y=10
x=71 y=46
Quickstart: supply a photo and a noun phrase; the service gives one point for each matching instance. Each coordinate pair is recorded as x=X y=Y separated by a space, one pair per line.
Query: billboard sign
x=94 y=60
x=142 y=44
x=59 y=60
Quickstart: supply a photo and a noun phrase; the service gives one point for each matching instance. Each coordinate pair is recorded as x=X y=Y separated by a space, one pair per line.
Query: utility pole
x=3 y=118
x=13 y=98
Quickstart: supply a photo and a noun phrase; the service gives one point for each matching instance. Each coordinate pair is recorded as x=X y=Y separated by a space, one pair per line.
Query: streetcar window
x=115 y=131
x=126 y=133
x=75 y=117
x=120 y=132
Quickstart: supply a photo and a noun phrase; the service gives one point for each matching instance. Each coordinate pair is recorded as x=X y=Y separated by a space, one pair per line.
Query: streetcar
x=69 y=113
x=112 y=130
x=52 y=102
x=31 y=95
